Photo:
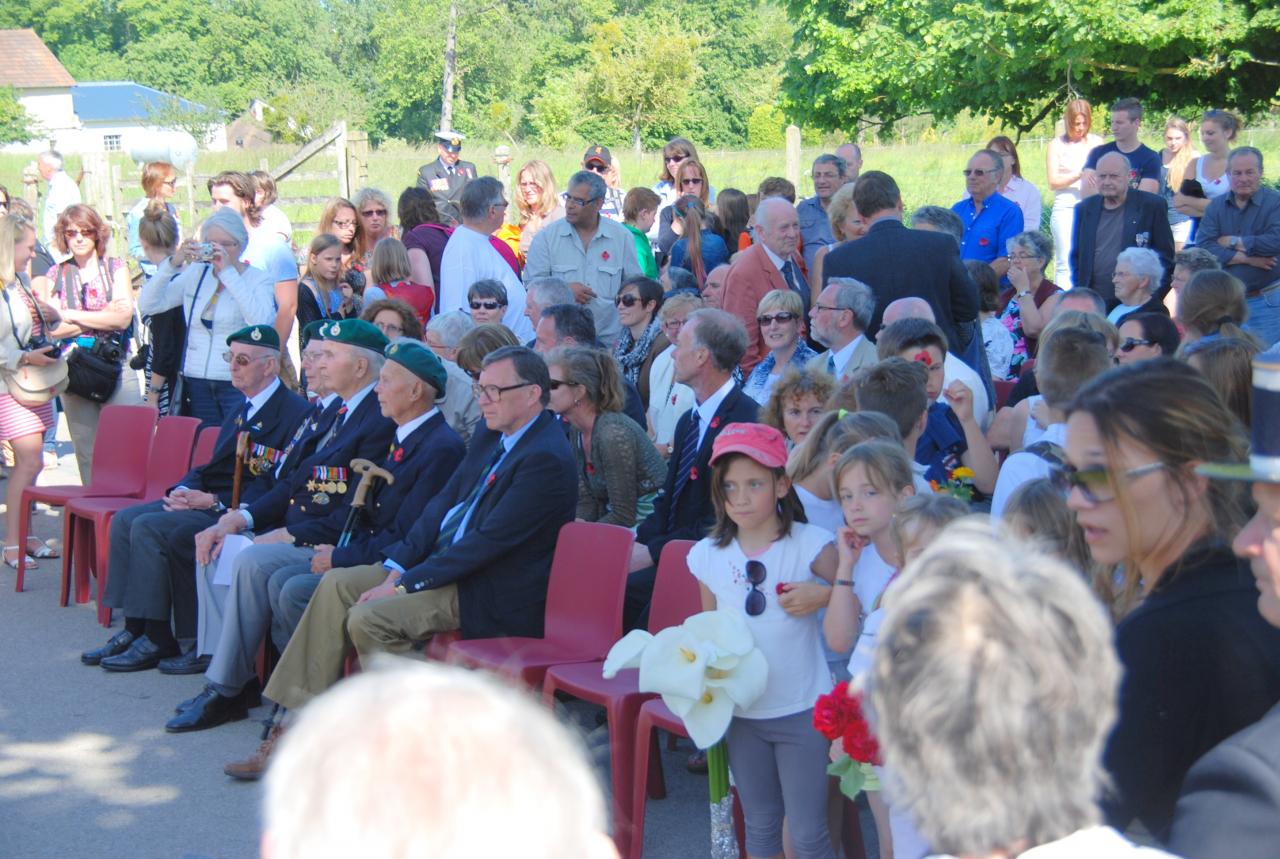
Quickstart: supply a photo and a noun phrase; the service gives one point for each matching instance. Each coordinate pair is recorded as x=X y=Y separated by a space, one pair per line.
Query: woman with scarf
x=642 y=340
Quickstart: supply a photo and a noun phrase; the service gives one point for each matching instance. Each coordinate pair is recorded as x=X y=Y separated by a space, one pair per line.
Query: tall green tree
x=16 y=125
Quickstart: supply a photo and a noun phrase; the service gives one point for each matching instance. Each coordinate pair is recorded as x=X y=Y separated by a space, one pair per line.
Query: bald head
x=852 y=156
x=1113 y=173
x=779 y=226
x=908 y=308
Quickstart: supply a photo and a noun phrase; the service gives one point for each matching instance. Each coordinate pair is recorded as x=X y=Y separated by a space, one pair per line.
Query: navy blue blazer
x=694 y=513
x=1144 y=214
x=420 y=468
x=308 y=490
x=1230 y=803
x=502 y=563
x=897 y=262
x=273 y=426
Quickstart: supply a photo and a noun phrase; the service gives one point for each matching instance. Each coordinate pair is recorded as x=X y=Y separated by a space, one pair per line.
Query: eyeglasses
x=372 y=213
x=570 y=200
x=829 y=307
x=628 y=300
x=692 y=180
x=389 y=329
x=240 y=360
x=531 y=185
x=782 y=317
x=976 y=172
x=675 y=159
x=1097 y=483
x=493 y=392
x=76 y=234
x=485 y=305
x=597 y=167
x=344 y=225
x=557 y=384
x=1131 y=343
x=756 y=573
x=673 y=324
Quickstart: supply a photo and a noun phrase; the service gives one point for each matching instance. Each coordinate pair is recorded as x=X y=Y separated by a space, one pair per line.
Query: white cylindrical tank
x=176 y=147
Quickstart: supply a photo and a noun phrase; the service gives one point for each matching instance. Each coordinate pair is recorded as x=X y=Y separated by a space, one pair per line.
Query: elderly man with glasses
x=593 y=254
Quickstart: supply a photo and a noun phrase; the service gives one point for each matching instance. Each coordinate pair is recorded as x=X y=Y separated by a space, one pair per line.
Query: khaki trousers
x=333 y=623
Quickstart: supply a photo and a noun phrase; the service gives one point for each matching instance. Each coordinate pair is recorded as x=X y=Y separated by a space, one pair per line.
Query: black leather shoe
x=188 y=663
x=208 y=710
x=142 y=655
x=118 y=644
x=251 y=694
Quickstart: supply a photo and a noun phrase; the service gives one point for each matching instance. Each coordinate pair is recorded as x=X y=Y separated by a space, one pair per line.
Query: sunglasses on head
x=485 y=305
x=782 y=316
x=628 y=300
x=1097 y=483
x=756 y=574
x=1131 y=343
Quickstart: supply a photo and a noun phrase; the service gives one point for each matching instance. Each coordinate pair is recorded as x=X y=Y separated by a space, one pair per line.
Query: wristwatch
x=400 y=589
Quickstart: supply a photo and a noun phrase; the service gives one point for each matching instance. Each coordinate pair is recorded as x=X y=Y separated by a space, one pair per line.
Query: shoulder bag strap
x=14 y=325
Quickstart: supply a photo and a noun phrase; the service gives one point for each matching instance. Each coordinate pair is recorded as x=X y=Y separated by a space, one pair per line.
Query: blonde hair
x=838 y=209
x=1086 y=320
x=1213 y=302
x=541 y=173
x=887 y=466
x=13 y=228
x=921 y=513
x=390 y=261
x=1178 y=166
x=781 y=299
x=596 y=371
x=1037 y=512
x=835 y=432
x=321 y=243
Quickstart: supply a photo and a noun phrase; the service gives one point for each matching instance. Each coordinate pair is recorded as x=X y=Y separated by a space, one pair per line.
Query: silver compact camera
x=205 y=251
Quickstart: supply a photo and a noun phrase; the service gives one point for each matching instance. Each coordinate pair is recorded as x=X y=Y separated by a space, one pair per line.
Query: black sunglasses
x=557 y=384
x=487 y=305
x=783 y=317
x=597 y=167
x=1096 y=483
x=755 y=597
x=628 y=300
x=1131 y=343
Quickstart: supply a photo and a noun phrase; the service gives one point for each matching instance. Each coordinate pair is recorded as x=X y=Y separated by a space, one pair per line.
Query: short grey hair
x=549 y=290
x=488 y=288
x=941 y=219
x=1195 y=259
x=993 y=686
x=680 y=302
x=842 y=168
x=479 y=195
x=422 y=726
x=375 y=358
x=53 y=158
x=996 y=158
x=1246 y=150
x=592 y=180
x=720 y=333
x=1145 y=263
x=368 y=195
x=451 y=327
x=855 y=296
x=1128 y=165
x=1033 y=242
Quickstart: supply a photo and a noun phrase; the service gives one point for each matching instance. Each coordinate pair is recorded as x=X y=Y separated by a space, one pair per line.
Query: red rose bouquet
x=838 y=716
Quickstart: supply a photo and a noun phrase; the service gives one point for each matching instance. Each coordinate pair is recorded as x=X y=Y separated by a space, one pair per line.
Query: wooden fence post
x=357 y=156
x=344 y=186
x=502 y=157
x=793 y=156
x=121 y=233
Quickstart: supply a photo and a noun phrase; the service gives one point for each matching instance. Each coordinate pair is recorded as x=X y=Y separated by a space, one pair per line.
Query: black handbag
x=92 y=373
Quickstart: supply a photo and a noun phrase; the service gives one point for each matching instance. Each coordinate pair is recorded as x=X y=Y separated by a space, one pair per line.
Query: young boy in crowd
x=952 y=437
x=639 y=211
x=1068 y=358
x=896 y=388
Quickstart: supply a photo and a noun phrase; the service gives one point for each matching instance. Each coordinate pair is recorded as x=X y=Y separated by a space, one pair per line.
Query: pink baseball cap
x=762 y=443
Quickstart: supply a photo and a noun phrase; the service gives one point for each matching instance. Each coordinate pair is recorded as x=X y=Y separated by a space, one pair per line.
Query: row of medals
x=324 y=488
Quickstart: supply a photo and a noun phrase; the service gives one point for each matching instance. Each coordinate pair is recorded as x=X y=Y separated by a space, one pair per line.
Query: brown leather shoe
x=253 y=767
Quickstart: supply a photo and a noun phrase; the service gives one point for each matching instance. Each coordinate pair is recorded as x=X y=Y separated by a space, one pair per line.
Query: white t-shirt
x=1023 y=467
x=468 y=257
x=791 y=645
x=1033 y=432
x=826 y=514
x=1096 y=842
x=870 y=576
x=956 y=370
x=918 y=473
x=276 y=222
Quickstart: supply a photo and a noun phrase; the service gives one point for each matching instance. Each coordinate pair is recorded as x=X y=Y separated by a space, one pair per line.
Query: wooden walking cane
x=242 y=453
x=368 y=473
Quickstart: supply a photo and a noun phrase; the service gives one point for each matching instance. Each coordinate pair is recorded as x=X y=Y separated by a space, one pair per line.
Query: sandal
x=13 y=564
x=45 y=550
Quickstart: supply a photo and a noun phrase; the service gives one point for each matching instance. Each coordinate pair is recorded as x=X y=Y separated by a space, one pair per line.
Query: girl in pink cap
x=760 y=545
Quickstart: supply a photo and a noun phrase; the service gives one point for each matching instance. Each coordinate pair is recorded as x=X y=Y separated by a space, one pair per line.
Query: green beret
x=256 y=335
x=422 y=362
x=311 y=331
x=355 y=332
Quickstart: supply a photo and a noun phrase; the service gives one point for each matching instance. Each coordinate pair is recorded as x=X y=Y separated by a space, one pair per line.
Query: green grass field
x=927 y=172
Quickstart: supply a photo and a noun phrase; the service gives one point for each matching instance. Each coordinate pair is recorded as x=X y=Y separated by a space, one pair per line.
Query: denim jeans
x=210 y=400
x=1264 y=317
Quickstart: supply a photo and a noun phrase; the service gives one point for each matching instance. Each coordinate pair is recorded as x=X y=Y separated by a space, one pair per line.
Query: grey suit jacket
x=864 y=355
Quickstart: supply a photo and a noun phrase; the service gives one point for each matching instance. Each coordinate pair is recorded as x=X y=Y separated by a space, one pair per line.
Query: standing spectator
x=95 y=300
x=4 y=201
x=599 y=160
x=1134 y=438
x=619 y=472
x=1138 y=273
x=341 y=219
x=593 y=254
x=676 y=151
x=537 y=202
x=274 y=221
x=642 y=339
x=447 y=176
x=243 y=297
x=158 y=237
x=1175 y=158
x=1218 y=130
x=772 y=263
x=780 y=316
x=668 y=399
x=996 y=339
x=390 y=270
x=42 y=259
x=1013 y=186
x=897 y=262
x=487 y=300
x=691 y=178
x=846 y=226
x=1024 y=312
x=734 y=210
x=839 y=320
x=851 y=155
x=1115 y=218
x=320 y=292
x=1066 y=156
x=63 y=191
x=159 y=180
x=374 y=208
x=424 y=237
x=22 y=426
x=828 y=174
x=1242 y=229
x=701 y=245
x=1144 y=162
x=990 y=219
x=470 y=255
x=639 y=211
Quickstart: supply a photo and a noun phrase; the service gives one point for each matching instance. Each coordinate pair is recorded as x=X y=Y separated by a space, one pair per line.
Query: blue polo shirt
x=942 y=443
x=987 y=233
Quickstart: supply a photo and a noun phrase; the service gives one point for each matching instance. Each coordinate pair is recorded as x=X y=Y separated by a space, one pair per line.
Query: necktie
x=789 y=274
x=454 y=520
x=688 y=453
x=333 y=430
x=831 y=364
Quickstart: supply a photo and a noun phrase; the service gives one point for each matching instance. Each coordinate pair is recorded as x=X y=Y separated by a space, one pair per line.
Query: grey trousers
x=247 y=612
x=291 y=592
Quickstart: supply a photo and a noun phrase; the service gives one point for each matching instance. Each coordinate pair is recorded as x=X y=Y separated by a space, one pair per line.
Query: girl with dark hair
x=701 y=246
x=424 y=235
x=642 y=340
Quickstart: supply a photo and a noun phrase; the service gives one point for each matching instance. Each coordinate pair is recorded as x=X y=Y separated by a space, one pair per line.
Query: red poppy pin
x=492 y=477
x=398 y=456
x=604 y=256
x=984 y=242
x=715 y=422
x=591 y=469
x=674 y=398
x=693 y=473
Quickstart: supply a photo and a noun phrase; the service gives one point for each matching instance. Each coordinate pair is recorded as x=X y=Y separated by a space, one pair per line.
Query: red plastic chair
x=1003 y=390
x=205 y=442
x=584 y=608
x=120 y=451
x=675 y=597
x=87 y=523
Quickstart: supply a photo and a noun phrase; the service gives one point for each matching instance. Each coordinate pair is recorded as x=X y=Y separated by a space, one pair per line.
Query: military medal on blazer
x=262 y=459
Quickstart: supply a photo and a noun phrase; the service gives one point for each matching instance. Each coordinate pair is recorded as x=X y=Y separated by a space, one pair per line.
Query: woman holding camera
x=218 y=295
x=22 y=342
x=95 y=299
